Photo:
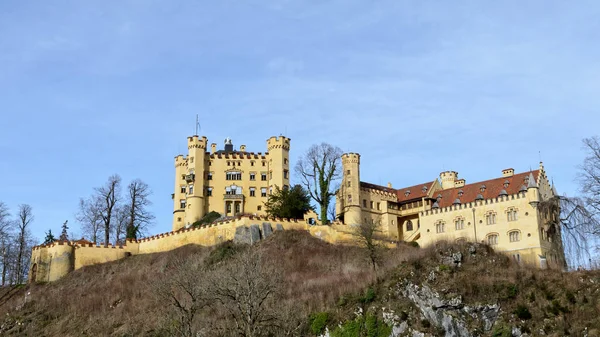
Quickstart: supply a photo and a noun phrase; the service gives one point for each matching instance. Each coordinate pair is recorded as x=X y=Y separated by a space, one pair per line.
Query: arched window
x=409 y=226
x=511 y=214
x=514 y=236
x=492 y=239
x=490 y=218
x=459 y=223
x=440 y=227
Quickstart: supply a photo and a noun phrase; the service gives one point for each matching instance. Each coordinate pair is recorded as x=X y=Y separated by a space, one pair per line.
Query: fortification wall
x=86 y=255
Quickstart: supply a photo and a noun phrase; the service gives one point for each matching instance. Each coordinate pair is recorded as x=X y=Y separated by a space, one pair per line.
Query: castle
x=227 y=181
x=505 y=212
x=515 y=213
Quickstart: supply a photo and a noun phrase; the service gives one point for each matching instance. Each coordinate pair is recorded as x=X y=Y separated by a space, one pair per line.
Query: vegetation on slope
x=296 y=285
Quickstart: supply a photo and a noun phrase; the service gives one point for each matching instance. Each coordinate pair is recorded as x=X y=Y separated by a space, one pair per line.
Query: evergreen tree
x=63 y=235
x=288 y=203
x=49 y=237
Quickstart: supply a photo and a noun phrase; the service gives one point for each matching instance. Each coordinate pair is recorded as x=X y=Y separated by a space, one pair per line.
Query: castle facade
x=228 y=181
x=515 y=213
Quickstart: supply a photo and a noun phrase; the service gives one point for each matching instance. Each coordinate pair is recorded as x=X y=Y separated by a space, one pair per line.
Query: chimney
x=389 y=185
x=459 y=183
x=508 y=172
x=228 y=145
x=213 y=148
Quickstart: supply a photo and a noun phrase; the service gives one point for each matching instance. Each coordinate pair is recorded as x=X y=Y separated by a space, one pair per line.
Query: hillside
x=293 y=284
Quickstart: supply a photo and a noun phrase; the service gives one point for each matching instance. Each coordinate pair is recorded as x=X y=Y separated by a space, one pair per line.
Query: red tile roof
x=493 y=188
x=416 y=191
x=377 y=187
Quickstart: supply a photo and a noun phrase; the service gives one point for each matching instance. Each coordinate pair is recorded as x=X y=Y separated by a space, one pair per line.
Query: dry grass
x=119 y=298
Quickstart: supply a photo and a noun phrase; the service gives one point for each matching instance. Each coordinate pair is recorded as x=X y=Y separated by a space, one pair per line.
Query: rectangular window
x=252 y=176
x=285 y=161
x=371 y=204
x=191 y=160
x=285 y=174
x=233 y=175
x=263 y=192
x=263 y=176
x=237 y=207
x=365 y=203
x=183 y=189
x=348 y=183
x=459 y=224
x=209 y=176
x=252 y=191
x=228 y=207
x=264 y=163
x=182 y=203
x=440 y=227
x=209 y=192
x=378 y=206
x=191 y=189
x=347 y=172
x=490 y=218
x=259 y=208
x=349 y=198
x=251 y=163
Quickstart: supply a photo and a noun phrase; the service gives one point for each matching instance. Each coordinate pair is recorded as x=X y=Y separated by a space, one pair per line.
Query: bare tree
x=121 y=221
x=246 y=288
x=24 y=219
x=579 y=216
x=137 y=206
x=318 y=168
x=90 y=218
x=369 y=235
x=185 y=294
x=109 y=197
x=5 y=239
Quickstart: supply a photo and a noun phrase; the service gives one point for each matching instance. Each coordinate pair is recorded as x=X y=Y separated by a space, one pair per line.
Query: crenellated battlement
x=350 y=157
x=472 y=204
x=194 y=142
x=280 y=142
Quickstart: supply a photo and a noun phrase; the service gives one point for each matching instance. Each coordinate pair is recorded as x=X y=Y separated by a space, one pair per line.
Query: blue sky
x=92 y=88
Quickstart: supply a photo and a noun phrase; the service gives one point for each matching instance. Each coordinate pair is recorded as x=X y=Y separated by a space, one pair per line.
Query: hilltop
x=317 y=289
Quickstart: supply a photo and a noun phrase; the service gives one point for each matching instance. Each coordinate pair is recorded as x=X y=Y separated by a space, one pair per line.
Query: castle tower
x=279 y=157
x=194 y=178
x=350 y=195
x=448 y=178
x=179 y=194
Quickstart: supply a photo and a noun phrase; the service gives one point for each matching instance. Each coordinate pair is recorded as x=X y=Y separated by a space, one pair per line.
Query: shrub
x=369 y=295
x=318 y=322
x=425 y=323
x=502 y=331
x=223 y=252
x=570 y=297
x=522 y=312
x=414 y=244
x=444 y=267
x=369 y=326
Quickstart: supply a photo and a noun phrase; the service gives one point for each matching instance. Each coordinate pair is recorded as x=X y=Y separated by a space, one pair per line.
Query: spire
x=554 y=189
x=532 y=183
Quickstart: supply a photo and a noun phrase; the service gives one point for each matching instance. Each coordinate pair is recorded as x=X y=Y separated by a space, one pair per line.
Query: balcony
x=190 y=178
x=233 y=196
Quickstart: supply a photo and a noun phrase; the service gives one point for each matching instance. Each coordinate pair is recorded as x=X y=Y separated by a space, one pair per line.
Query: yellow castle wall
x=56 y=260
